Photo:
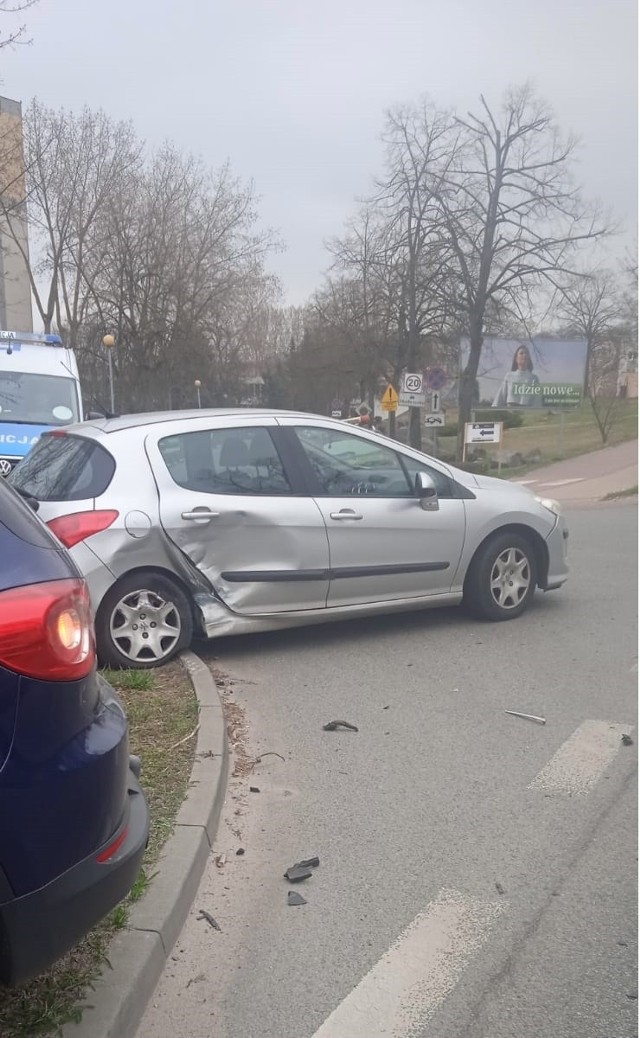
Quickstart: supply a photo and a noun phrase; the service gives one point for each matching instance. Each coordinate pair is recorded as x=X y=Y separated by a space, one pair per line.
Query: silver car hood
x=480 y=482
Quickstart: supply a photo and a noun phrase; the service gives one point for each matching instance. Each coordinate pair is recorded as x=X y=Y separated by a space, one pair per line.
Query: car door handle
x=200 y=514
x=345 y=513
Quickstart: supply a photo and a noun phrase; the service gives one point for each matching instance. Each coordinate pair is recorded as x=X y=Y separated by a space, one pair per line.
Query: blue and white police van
x=39 y=389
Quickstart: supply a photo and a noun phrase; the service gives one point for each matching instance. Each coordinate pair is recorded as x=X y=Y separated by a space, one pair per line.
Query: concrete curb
x=137 y=955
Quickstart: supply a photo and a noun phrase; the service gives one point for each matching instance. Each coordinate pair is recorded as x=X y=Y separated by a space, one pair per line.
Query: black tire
x=130 y=614
x=502 y=578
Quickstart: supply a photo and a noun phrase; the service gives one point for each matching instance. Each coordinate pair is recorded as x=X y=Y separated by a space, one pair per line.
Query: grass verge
x=551 y=437
x=162 y=713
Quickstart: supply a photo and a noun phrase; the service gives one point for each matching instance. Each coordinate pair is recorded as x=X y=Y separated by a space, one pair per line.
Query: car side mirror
x=425 y=491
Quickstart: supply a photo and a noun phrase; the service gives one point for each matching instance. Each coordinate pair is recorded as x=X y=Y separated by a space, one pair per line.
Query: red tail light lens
x=70 y=529
x=46 y=630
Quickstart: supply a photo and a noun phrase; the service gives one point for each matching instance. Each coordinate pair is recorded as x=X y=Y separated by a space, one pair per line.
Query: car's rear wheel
x=502 y=578
x=143 y=621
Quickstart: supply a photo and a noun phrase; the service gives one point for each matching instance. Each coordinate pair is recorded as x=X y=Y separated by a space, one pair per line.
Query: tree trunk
x=468 y=382
x=415 y=428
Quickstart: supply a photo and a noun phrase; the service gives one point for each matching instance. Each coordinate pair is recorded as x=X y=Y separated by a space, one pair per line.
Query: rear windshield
x=64 y=468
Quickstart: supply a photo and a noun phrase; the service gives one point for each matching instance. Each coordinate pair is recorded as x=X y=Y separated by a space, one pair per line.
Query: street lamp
x=197 y=384
x=108 y=341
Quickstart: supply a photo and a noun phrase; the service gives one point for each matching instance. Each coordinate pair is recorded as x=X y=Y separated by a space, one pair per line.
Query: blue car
x=74 y=822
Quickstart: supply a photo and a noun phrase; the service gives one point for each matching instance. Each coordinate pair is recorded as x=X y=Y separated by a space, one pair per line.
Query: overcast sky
x=293 y=92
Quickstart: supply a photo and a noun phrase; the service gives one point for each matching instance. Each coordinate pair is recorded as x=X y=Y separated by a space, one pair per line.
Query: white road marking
x=564 y=482
x=414 y=977
x=582 y=759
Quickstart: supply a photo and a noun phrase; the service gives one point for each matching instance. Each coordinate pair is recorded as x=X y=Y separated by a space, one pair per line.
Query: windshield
x=37 y=399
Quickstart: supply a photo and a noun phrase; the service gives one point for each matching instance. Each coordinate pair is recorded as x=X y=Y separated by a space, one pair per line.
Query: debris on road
x=385 y=707
x=500 y=888
x=627 y=740
x=240 y=852
x=209 y=919
x=332 y=726
x=527 y=717
x=297 y=873
x=308 y=863
x=220 y=860
x=196 y=980
x=253 y=789
x=294 y=898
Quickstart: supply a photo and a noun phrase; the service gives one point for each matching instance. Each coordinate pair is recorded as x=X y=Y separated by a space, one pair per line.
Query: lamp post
x=108 y=341
x=197 y=384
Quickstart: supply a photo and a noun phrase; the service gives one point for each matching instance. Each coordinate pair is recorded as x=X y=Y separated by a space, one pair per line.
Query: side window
x=346 y=464
x=442 y=482
x=225 y=461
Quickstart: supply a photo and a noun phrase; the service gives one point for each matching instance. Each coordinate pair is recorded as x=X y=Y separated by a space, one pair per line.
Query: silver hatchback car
x=226 y=521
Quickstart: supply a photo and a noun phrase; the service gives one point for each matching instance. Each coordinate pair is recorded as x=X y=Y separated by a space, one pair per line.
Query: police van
x=39 y=389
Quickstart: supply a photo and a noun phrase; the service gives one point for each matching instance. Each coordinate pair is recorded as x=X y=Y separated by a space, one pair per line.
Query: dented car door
x=229 y=503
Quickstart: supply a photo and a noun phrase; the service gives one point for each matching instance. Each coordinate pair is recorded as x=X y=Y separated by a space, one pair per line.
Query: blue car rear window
x=64 y=468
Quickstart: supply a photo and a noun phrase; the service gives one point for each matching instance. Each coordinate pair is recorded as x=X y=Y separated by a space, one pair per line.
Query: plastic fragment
x=527 y=717
x=297 y=873
x=294 y=898
x=332 y=726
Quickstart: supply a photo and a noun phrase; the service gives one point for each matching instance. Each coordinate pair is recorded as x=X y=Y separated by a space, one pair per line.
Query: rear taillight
x=71 y=529
x=46 y=630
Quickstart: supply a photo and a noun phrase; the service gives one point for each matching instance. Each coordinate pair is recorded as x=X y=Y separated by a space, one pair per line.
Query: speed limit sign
x=412 y=390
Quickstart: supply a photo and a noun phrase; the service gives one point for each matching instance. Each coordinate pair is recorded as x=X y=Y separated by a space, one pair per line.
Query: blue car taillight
x=46 y=630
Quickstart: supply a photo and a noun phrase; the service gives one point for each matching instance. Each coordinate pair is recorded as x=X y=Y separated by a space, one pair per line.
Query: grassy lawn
x=555 y=438
x=162 y=713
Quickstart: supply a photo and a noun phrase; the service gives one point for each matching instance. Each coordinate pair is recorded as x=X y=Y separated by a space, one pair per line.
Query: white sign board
x=435 y=419
x=435 y=399
x=412 y=390
x=483 y=432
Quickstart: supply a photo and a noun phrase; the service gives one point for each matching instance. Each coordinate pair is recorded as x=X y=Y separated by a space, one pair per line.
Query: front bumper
x=38 y=928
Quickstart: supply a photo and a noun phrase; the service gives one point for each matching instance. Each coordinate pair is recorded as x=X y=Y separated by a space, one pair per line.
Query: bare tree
x=182 y=271
x=73 y=164
x=591 y=306
x=513 y=214
x=399 y=250
x=16 y=34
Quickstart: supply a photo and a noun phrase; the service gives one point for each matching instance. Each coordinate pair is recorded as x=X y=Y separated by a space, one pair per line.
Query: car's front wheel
x=143 y=621
x=502 y=578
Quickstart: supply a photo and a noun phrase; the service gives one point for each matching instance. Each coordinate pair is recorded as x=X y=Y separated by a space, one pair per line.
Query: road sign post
x=389 y=403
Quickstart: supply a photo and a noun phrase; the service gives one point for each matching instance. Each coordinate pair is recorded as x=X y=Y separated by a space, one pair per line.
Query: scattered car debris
x=209 y=919
x=270 y=753
x=527 y=717
x=385 y=707
x=221 y=860
x=253 y=789
x=627 y=740
x=294 y=898
x=240 y=851
x=308 y=863
x=297 y=873
x=332 y=726
x=196 y=980
x=500 y=888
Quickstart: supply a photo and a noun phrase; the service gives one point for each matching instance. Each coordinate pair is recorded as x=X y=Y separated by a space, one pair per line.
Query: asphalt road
x=478 y=871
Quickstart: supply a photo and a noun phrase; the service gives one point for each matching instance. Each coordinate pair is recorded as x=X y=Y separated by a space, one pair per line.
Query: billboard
x=530 y=373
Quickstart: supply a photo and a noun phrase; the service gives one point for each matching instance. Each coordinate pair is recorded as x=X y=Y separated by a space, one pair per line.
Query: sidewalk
x=588 y=477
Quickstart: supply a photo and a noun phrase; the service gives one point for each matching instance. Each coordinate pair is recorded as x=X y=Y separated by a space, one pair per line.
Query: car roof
x=134 y=421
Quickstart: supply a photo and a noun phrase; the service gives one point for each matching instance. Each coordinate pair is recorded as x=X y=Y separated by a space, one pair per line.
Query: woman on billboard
x=520 y=388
